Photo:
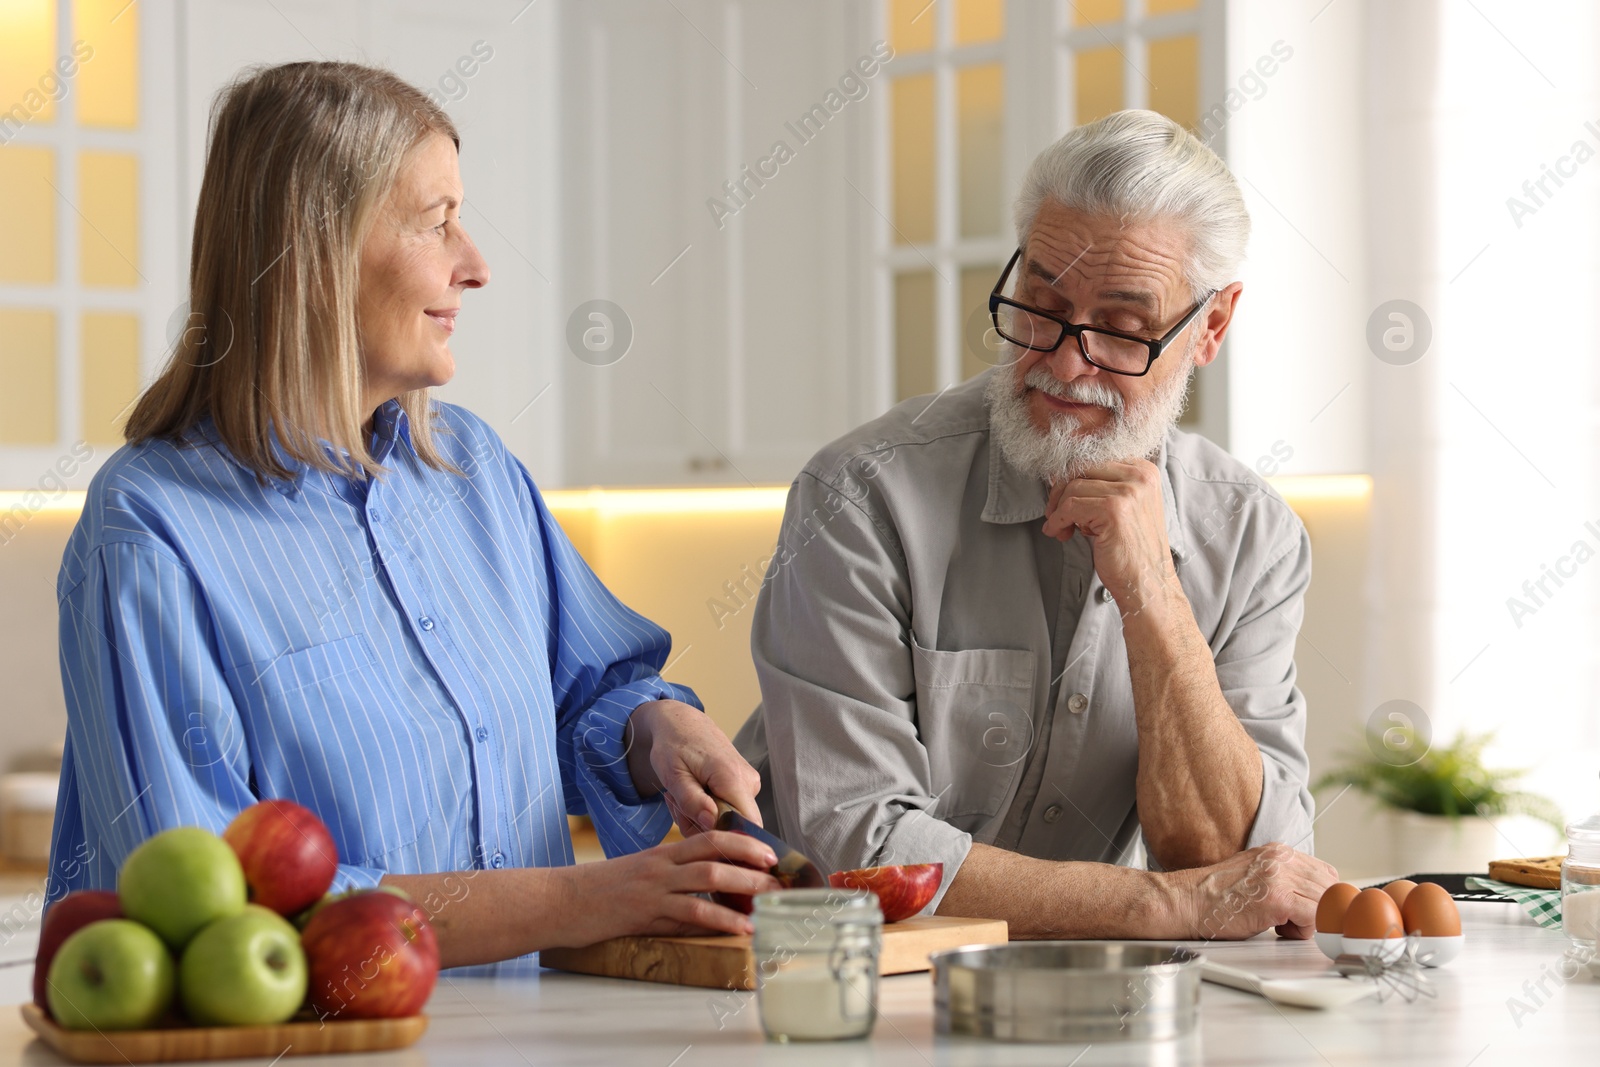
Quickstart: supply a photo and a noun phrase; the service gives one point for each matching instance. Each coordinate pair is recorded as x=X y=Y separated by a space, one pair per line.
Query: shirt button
x=1052 y=813
x=375 y=514
x=483 y=733
x=425 y=622
x=1076 y=703
x=498 y=860
x=1105 y=595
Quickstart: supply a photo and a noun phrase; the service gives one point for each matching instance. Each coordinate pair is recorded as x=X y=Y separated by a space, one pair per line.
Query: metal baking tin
x=1067 y=990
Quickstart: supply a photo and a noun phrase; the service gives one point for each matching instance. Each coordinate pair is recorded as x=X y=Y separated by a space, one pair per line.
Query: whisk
x=1396 y=975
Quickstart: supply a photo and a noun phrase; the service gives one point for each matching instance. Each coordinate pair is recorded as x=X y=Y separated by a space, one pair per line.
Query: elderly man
x=1019 y=625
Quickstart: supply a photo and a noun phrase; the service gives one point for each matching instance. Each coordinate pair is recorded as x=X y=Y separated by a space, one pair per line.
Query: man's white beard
x=1065 y=452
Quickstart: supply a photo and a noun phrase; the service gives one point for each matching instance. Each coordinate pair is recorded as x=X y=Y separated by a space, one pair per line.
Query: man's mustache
x=1081 y=391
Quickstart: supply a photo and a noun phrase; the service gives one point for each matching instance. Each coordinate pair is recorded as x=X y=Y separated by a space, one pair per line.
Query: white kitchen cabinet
x=746 y=308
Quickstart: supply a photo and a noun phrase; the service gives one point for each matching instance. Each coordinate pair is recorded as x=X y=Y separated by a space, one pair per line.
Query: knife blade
x=793 y=869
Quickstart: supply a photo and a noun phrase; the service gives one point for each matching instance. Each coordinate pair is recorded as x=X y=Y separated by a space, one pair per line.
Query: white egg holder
x=1426 y=951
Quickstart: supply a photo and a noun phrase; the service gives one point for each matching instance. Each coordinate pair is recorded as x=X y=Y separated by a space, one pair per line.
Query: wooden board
x=728 y=962
x=223 y=1042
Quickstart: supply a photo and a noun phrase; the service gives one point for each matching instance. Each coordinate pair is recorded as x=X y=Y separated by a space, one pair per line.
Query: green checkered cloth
x=1542 y=905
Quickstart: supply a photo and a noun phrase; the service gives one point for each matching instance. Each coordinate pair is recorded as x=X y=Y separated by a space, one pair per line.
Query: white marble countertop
x=570 y=1019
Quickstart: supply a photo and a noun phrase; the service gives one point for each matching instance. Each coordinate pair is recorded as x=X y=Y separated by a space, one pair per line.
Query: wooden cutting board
x=224 y=1042
x=727 y=962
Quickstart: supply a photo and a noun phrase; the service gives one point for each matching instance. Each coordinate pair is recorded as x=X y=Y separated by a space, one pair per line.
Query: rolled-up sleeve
x=1256 y=672
x=154 y=738
x=605 y=661
x=852 y=786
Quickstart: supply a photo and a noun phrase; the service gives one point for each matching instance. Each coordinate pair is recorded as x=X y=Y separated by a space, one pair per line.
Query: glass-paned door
x=949 y=219
x=75 y=241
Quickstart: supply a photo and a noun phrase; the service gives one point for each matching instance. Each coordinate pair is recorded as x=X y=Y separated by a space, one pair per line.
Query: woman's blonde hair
x=302 y=157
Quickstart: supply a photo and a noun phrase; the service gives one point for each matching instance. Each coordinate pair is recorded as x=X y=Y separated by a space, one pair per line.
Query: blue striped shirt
x=423 y=660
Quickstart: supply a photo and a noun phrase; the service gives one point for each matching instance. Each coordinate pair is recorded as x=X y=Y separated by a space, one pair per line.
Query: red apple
x=288 y=856
x=371 y=956
x=743 y=904
x=64 y=918
x=902 y=891
x=739 y=902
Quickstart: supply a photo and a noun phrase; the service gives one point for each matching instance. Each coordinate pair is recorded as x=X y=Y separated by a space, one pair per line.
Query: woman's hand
x=481 y=916
x=651 y=892
x=673 y=748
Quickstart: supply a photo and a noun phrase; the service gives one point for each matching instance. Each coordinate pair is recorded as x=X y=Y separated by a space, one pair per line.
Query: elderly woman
x=305 y=578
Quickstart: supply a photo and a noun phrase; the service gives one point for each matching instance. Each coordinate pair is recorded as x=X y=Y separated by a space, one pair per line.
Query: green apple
x=180 y=881
x=244 y=970
x=113 y=974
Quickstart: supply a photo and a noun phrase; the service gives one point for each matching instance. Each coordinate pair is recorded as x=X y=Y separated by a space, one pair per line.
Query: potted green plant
x=1442 y=803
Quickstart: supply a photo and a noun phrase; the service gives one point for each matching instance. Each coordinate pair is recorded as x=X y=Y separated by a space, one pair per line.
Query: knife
x=793 y=869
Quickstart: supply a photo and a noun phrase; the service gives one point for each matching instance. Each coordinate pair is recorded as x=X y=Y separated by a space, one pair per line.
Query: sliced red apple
x=744 y=905
x=902 y=890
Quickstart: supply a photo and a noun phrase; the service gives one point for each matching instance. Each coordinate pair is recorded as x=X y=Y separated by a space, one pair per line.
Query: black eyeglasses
x=1119 y=353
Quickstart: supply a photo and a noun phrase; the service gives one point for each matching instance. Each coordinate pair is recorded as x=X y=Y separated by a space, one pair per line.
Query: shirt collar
x=390 y=425
x=1015 y=496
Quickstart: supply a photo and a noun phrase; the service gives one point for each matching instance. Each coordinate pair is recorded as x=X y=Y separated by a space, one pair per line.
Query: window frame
x=155 y=143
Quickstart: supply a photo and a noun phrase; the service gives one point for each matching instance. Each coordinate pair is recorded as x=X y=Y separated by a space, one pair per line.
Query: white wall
x=1519 y=386
x=1299 y=361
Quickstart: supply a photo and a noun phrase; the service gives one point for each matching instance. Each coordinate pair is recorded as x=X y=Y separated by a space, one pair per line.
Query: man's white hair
x=1139 y=166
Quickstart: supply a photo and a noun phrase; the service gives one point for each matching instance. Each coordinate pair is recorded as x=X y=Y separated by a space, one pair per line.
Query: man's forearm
x=1199 y=781
x=1048 y=899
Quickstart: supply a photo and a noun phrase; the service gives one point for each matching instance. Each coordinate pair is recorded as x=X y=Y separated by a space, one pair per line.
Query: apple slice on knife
x=793 y=870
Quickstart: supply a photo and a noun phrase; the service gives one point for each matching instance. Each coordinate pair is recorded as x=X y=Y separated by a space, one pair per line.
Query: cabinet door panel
x=709 y=199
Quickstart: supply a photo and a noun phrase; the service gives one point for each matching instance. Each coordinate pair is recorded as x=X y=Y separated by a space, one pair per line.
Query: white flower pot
x=1439 y=844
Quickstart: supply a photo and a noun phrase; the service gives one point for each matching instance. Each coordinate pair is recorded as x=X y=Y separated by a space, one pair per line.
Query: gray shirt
x=933 y=672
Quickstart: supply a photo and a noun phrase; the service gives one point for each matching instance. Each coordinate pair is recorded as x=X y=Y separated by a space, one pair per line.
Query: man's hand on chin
x=1118 y=507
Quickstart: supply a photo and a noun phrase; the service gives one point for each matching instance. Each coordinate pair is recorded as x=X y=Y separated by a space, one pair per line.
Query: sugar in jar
x=817 y=963
x=1580 y=884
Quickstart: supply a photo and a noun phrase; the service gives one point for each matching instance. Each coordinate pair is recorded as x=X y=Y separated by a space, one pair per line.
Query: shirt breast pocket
x=975 y=718
x=328 y=731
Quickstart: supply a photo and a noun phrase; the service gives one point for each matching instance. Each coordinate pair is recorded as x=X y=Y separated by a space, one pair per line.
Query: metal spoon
x=1327 y=992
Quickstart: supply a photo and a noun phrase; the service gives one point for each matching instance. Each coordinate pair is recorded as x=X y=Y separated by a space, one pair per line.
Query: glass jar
x=1580 y=885
x=817 y=963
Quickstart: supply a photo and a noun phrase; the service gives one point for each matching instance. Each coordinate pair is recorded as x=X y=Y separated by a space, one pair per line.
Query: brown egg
x=1399 y=889
x=1429 y=911
x=1373 y=914
x=1331 y=908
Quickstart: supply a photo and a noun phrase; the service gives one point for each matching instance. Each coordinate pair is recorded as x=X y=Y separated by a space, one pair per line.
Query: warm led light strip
x=668 y=501
x=69 y=502
x=1323 y=486
x=759 y=498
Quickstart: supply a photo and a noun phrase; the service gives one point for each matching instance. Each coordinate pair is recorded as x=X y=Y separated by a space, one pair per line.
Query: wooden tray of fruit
x=226 y=947
x=178 y=1043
